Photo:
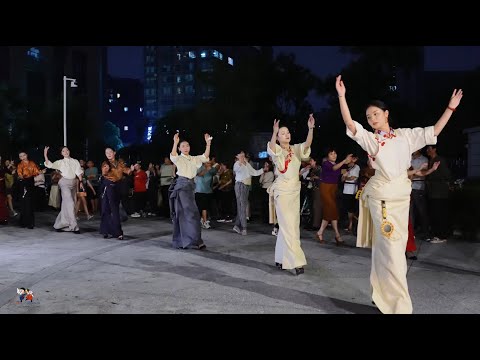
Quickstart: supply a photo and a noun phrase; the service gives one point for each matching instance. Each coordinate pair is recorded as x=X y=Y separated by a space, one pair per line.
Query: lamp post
x=73 y=84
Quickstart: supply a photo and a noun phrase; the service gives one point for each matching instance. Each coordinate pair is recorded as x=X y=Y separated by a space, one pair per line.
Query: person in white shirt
x=243 y=170
x=70 y=170
x=286 y=193
x=350 y=187
x=385 y=199
x=184 y=211
x=266 y=180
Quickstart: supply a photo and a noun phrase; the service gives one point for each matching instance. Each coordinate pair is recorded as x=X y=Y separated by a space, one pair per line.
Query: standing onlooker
x=350 y=179
x=139 y=190
x=438 y=191
x=266 y=180
x=243 y=171
x=328 y=192
x=418 y=201
x=167 y=174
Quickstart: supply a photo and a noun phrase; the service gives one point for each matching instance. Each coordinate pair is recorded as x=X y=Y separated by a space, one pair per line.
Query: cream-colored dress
x=390 y=184
x=286 y=192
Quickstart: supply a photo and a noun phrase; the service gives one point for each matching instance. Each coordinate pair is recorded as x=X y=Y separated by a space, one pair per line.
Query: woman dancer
x=112 y=172
x=286 y=192
x=384 y=202
x=183 y=209
x=70 y=170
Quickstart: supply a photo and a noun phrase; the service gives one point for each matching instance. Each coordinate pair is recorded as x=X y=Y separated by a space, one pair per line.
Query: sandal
x=320 y=238
x=339 y=241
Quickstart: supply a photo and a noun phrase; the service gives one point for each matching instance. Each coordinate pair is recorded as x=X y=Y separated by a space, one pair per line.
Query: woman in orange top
x=26 y=171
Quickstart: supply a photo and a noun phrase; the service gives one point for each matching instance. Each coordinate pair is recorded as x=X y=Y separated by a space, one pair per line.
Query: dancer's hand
x=45 y=151
x=311 y=122
x=435 y=165
x=276 y=126
x=208 y=139
x=348 y=159
x=341 y=90
x=176 y=138
x=455 y=99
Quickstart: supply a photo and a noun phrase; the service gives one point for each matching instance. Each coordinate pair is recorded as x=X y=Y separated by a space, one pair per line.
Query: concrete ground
x=86 y=273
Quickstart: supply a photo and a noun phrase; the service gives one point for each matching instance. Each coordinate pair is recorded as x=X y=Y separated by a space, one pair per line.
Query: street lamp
x=73 y=84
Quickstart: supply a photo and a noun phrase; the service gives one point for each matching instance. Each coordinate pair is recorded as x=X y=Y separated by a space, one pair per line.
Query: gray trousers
x=66 y=219
x=241 y=193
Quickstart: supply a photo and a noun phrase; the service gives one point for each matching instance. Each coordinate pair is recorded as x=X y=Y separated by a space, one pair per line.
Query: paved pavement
x=86 y=273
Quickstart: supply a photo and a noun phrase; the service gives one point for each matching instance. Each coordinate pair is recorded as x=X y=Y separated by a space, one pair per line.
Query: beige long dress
x=390 y=184
x=286 y=192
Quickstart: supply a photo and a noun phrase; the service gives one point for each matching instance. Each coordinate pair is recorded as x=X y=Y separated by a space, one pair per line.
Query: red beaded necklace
x=381 y=136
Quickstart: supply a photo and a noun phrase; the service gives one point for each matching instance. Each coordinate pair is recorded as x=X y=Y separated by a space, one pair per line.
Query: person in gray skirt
x=183 y=209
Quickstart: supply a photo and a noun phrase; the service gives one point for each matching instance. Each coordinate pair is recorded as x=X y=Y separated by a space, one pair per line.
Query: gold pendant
x=387 y=228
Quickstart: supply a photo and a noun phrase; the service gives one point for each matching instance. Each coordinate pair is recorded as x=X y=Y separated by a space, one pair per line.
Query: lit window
x=215 y=53
x=179 y=90
x=179 y=56
x=109 y=110
x=191 y=55
x=118 y=95
x=125 y=109
x=230 y=61
x=110 y=100
x=141 y=109
x=125 y=128
x=203 y=54
x=149 y=133
x=34 y=52
x=179 y=78
x=220 y=56
x=262 y=155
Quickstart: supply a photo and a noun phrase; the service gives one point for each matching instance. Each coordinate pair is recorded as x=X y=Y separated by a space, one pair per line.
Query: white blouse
x=188 y=165
x=393 y=158
x=279 y=157
x=70 y=168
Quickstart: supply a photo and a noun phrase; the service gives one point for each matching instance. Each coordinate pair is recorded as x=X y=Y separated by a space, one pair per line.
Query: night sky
x=127 y=61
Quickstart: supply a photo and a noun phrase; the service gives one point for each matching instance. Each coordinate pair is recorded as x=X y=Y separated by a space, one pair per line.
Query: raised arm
x=273 y=140
x=47 y=162
x=311 y=126
x=208 y=141
x=176 y=140
x=452 y=106
x=347 y=118
x=343 y=162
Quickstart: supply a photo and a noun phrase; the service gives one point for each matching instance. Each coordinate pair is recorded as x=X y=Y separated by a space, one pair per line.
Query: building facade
x=171 y=74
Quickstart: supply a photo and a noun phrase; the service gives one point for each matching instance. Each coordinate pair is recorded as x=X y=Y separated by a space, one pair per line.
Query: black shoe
x=105 y=236
x=76 y=232
x=202 y=247
x=299 y=271
x=58 y=230
x=30 y=227
x=278 y=265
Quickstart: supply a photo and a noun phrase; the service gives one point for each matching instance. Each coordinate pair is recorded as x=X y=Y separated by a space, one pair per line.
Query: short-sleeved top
x=203 y=184
x=393 y=158
x=188 y=165
x=167 y=173
x=350 y=186
x=418 y=182
x=330 y=176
